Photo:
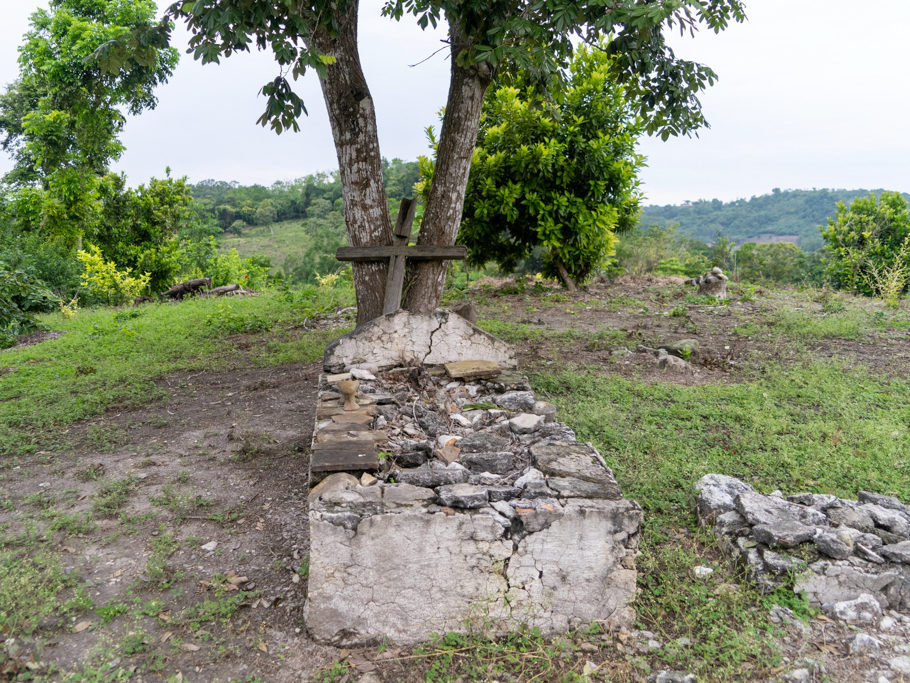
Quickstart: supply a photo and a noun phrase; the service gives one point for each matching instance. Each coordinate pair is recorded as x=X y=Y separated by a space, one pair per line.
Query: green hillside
x=783 y=215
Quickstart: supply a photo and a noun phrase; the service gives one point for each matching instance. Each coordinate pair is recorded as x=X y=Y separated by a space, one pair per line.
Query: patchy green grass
x=105 y=358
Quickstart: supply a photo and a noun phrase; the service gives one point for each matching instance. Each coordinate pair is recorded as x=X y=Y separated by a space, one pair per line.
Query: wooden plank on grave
x=472 y=369
x=344 y=456
x=418 y=252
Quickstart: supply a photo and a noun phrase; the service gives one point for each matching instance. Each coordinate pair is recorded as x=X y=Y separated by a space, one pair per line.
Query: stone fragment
x=340 y=377
x=548 y=410
x=772 y=511
x=367 y=479
x=862 y=610
x=463 y=496
x=833 y=546
x=863 y=643
x=868 y=554
x=447 y=454
x=365 y=375
x=516 y=401
x=897 y=552
x=406 y=495
x=675 y=365
x=800 y=675
x=444 y=440
x=564 y=459
x=894 y=521
x=502 y=493
x=889 y=502
x=573 y=487
x=702 y=572
x=731 y=523
x=780 y=564
x=534 y=484
x=334 y=482
x=359 y=500
x=482 y=442
x=819 y=501
x=461 y=420
x=848 y=515
x=472 y=369
x=536 y=513
x=525 y=423
x=433 y=474
x=499 y=462
x=405 y=338
x=717 y=494
x=786 y=533
x=466 y=310
x=431 y=423
x=412 y=458
x=509 y=380
x=669 y=676
x=830 y=582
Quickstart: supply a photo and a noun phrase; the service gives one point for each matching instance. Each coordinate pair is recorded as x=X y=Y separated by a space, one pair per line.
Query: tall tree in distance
x=83 y=65
x=482 y=35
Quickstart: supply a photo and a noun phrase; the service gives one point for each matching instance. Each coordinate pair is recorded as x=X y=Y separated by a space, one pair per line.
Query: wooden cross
x=398 y=251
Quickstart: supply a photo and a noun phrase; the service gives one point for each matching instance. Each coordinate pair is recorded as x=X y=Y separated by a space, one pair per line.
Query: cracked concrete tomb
x=410 y=339
x=493 y=529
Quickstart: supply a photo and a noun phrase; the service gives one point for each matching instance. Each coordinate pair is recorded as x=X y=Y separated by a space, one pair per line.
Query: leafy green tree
x=775 y=262
x=83 y=65
x=868 y=246
x=483 y=35
x=558 y=171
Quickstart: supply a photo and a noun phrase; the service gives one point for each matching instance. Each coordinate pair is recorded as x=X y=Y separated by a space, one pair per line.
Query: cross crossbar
x=398 y=252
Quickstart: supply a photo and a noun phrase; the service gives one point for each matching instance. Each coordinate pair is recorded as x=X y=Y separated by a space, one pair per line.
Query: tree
x=483 y=34
x=868 y=246
x=556 y=170
x=82 y=65
x=775 y=261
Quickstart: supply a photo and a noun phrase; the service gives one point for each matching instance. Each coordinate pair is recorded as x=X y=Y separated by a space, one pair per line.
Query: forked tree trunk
x=442 y=215
x=353 y=120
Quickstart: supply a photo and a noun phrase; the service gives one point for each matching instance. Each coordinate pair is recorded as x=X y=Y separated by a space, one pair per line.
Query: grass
x=105 y=359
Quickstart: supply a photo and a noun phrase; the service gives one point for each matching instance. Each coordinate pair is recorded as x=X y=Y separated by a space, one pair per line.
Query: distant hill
x=782 y=216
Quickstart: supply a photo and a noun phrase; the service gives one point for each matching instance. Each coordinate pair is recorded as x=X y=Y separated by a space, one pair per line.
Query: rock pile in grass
x=849 y=557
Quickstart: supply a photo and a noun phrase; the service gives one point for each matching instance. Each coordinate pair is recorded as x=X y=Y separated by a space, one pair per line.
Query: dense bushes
x=21 y=295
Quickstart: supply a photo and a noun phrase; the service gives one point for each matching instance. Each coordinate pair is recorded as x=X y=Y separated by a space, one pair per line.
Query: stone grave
x=451 y=499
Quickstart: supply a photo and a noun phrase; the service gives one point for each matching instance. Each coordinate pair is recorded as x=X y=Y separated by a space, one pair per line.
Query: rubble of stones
x=849 y=557
x=486 y=446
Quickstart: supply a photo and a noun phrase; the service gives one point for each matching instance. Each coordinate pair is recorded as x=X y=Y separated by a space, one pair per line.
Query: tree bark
x=564 y=275
x=353 y=120
x=457 y=139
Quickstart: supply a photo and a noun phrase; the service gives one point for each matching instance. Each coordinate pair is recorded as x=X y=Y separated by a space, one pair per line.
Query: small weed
x=225 y=320
x=157 y=570
x=29 y=590
x=134 y=643
x=181 y=505
x=304 y=570
x=104 y=437
x=90 y=473
x=71 y=524
x=334 y=673
x=152 y=608
x=41 y=500
x=112 y=496
x=679 y=311
x=214 y=611
x=108 y=613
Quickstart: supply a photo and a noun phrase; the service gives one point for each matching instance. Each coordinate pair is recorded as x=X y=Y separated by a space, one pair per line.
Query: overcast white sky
x=812 y=93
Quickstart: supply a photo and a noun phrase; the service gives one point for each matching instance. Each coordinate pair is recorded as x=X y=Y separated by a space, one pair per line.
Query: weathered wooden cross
x=398 y=251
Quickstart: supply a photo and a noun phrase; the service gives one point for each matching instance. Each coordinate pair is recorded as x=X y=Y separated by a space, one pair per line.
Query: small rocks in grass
x=702 y=572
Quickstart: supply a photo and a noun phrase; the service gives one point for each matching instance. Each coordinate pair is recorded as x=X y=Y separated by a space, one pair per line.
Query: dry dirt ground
x=202 y=560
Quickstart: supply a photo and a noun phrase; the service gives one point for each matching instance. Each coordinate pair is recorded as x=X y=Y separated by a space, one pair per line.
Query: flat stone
x=731 y=523
x=830 y=582
x=773 y=511
x=461 y=420
x=536 y=513
x=433 y=474
x=367 y=479
x=525 y=423
x=482 y=442
x=340 y=377
x=344 y=456
x=853 y=517
x=780 y=564
x=786 y=534
x=676 y=365
x=572 y=487
x=405 y=338
x=499 y=462
x=463 y=496
x=897 y=552
x=334 y=482
x=502 y=493
x=472 y=369
x=565 y=459
x=406 y=495
x=516 y=401
x=362 y=374
x=412 y=458
x=355 y=417
x=889 y=502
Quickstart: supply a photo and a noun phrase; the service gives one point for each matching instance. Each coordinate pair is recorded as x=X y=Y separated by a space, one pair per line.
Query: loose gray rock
x=684 y=348
x=863 y=643
x=717 y=494
x=405 y=495
x=831 y=545
x=525 y=423
x=786 y=534
x=886 y=518
x=572 y=487
x=848 y=515
x=535 y=514
x=482 y=442
x=889 y=502
x=667 y=676
x=500 y=462
x=433 y=474
x=863 y=610
x=675 y=365
x=772 y=511
x=463 y=496
x=897 y=552
x=517 y=401
x=574 y=460
x=548 y=410
x=900 y=664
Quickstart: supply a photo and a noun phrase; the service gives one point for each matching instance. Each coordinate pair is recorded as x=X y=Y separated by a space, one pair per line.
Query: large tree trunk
x=450 y=177
x=353 y=120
